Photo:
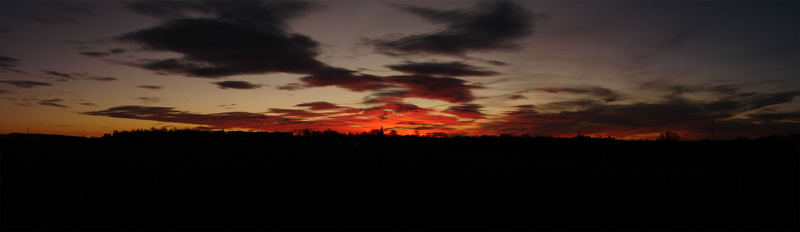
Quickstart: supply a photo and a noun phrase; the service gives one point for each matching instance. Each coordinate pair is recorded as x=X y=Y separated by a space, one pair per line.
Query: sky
x=625 y=69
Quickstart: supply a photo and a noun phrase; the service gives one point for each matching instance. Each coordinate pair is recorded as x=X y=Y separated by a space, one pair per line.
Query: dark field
x=258 y=181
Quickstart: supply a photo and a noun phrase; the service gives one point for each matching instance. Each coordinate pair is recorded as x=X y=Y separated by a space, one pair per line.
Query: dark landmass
x=192 y=180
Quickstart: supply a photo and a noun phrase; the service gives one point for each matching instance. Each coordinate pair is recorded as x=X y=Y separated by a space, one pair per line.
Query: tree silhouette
x=669 y=135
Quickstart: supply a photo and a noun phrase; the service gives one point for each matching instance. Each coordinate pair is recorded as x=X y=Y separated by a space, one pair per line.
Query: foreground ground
x=258 y=181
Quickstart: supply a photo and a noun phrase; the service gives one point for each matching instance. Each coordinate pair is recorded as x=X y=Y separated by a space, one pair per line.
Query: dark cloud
x=725 y=89
x=169 y=114
x=8 y=64
x=25 y=84
x=116 y=50
x=236 y=85
x=573 y=105
x=294 y=113
x=439 y=88
x=417 y=86
x=53 y=102
x=495 y=62
x=517 y=96
x=589 y=116
x=385 y=96
x=227 y=106
x=154 y=87
x=488 y=26
x=238 y=37
x=345 y=79
x=104 y=78
x=606 y=94
x=149 y=99
x=649 y=115
x=774 y=117
x=762 y=100
x=471 y=111
x=2 y=91
x=290 y=86
x=95 y=54
x=526 y=120
x=443 y=69
x=62 y=75
x=733 y=99
x=738 y=102
x=321 y=106
x=248 y=37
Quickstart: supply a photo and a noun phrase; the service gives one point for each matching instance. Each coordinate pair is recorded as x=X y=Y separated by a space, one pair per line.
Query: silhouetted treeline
x=213 y=180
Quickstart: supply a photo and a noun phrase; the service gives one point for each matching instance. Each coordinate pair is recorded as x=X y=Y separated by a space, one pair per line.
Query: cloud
x=294 y=113
x=573 y=105
x=63 y=76
x=104 y=78
x=53 y=102
x=439 y=88
x=649 y=115
x=290 y=86
x=488 y=26
x=321 y=105
x=344 y=78
x=95 y=54
x=8 y=64
x=249 y=37
x=775 y=117
x=153 y=87
x=236 y=37
x=471 y=111
x=256 y=121
x=392 y=116
x=402 y=86
x=25 y=84
x=526 y=120
x=442 y=69
x=169 y=114
x=149 y=99
x=607 y=95
x=763 y=100
x=112 y=51
x=516 y=97
x=691 y=118
x=236 y=85
x=116 y=50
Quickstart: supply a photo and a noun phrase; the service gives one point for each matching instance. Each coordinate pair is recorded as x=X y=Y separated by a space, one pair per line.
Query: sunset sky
x=626 y=69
